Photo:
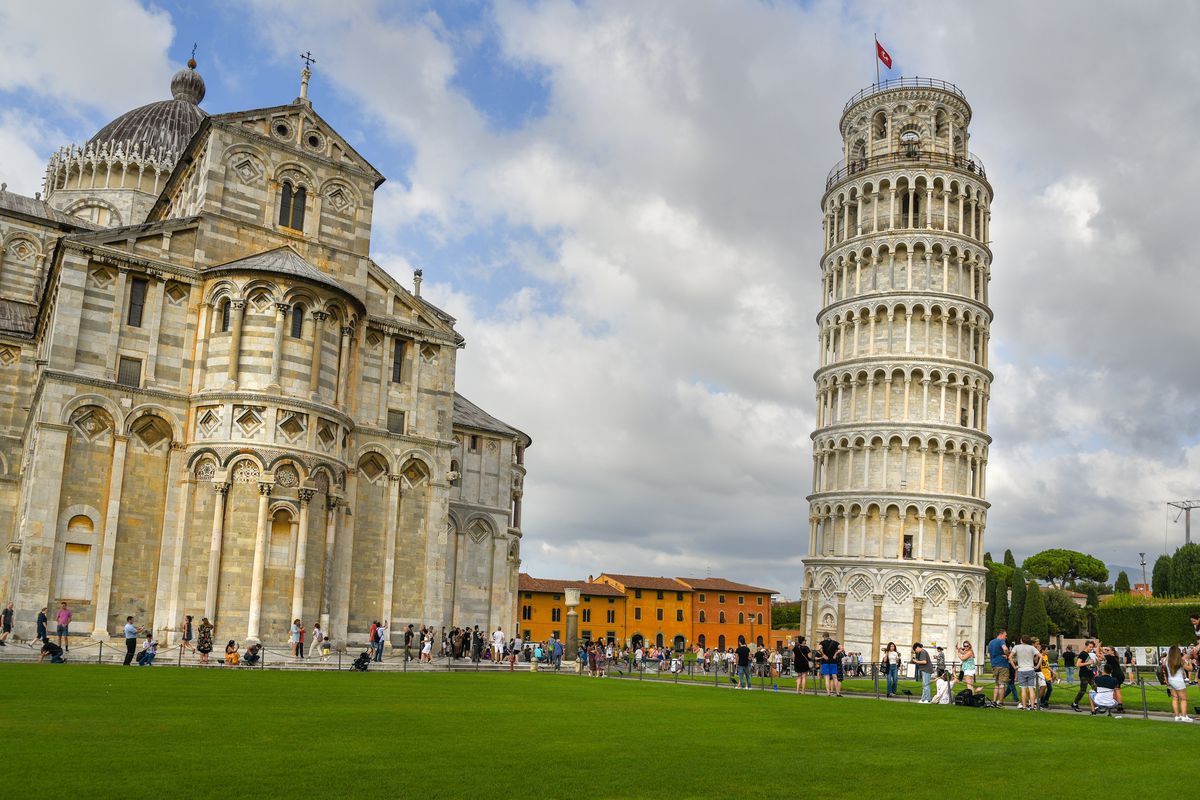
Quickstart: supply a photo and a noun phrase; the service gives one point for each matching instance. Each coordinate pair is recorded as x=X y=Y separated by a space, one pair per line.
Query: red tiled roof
x=647 y=582
x=723 y=585
x=528 y=583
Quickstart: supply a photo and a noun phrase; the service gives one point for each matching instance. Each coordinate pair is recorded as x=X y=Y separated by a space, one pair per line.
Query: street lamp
x=1143 y=557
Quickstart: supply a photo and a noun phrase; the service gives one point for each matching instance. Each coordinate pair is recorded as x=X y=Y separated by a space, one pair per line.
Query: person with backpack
x=830 y=658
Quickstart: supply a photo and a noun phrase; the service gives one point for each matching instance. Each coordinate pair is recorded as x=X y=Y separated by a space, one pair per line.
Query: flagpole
x=876 y=54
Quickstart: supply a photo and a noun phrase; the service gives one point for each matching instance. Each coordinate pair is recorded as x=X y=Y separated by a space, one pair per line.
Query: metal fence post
x=1145 y=706
x=875 y=675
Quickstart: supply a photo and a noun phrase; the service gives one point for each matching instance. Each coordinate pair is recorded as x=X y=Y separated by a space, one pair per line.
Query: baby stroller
x=361 y=663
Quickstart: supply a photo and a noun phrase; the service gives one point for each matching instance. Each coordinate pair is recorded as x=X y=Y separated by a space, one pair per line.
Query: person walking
x=1176 y=679
x=318 y=637
x=966 y=654
x=42 y=622
x=891 y=666
x=204 y=639
x=1001 y=668
x=408 y=641
x=920 y=658
x=1025 y=661
x=801 y=663
x=1086 y=662
x=131 y=637
x=185 y=643
x=63 y=620
x=6 y=623
x=294 y=637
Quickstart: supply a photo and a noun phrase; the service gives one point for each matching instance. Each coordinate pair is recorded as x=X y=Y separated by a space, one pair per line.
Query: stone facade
x=228 y=409
x=898 y=509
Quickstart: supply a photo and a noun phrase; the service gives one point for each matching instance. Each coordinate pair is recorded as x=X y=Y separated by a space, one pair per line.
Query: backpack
x=965 y=698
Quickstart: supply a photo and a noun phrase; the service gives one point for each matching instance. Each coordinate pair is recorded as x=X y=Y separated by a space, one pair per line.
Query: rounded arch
x=377 y=449
x=154 y=410
x=295 y=172
x=115 y=219
x=222 y=289
x=79 y=401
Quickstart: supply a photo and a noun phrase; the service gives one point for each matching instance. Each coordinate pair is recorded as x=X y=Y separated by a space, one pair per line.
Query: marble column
x=572 y=642
x=331 y=525
x=221 y=489
x=389 y=547
x=116 y=478
x=164 y=617
x=260 y=557
x=952 y=625
x=281 y=312
x=841 y=617
x=876 y=627
x=201 y=352
x=343 y=369
x=182 y=517
x=306 y=495
x=238 y=309
x=918 y=606
x=314 y=378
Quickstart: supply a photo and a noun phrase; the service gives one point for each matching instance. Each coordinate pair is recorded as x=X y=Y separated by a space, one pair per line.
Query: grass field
x=100 y=731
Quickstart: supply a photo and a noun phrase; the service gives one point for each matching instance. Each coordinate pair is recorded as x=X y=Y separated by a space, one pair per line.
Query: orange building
x=658 y=611
x=542 y=610
x=723 y=610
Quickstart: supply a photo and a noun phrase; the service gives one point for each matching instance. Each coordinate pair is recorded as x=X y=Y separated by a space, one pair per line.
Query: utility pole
x=1142 y=556
x=1185 y=510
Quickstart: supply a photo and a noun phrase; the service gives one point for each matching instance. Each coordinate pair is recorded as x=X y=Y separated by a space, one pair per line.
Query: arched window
x=225 y=309
x=702 y=615
x=741 y=618
x=291 y=206
x=721 y=618
x=760 y=619
x=297 y=321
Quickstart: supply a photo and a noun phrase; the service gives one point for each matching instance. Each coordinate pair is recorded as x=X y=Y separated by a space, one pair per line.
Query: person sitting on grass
x=232 y=657
x=1103 y=699
x=943 y=685
x=49 y=648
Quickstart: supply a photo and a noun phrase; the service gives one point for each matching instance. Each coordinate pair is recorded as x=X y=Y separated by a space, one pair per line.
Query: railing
x=969 y=163
x=914 y=82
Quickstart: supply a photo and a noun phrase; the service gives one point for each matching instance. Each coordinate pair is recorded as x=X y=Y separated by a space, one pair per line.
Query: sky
x=619 y=201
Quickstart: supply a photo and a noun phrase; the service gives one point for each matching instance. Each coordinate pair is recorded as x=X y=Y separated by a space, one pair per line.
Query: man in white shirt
x=1025 y=660
x=497 y=645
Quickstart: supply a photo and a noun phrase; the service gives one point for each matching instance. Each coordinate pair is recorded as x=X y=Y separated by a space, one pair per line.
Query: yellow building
x=542 y=610
x=658 y=611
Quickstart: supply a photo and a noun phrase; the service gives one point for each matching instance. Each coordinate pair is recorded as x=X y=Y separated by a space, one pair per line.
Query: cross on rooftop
x=307 y=58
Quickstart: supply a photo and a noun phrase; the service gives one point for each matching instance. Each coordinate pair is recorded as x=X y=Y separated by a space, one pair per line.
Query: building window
x=760 y=619
x=291 y=206
x=556 y=615
x=137 y=302
x=637 y=593
x=129 y=372
x=612 y=601
x=721 y=618
x=585 y=635
x=741 y=618
x=760 y=600
x=741 y=599
x=587 y=615
x=587 y=598
x=395 y=422
x=702 y=615
x=660 y=595
x=298 y=321
x=637 y=613
x=612 y=616
x=679 y=615
x=519 y=453
x=679 y=596
x=526 y=612
x=659 y=614
x=398 y=360
x=529 y=595
x=75 y=583
x=702 y=597
x=474 y=443
x=457 y=470
x=720 y=598
x=225 y=316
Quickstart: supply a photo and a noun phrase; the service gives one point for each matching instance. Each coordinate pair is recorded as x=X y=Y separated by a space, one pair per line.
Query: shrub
x=1126 y=619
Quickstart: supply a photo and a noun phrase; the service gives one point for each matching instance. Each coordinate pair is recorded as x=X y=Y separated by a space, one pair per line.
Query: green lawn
x=102 y=731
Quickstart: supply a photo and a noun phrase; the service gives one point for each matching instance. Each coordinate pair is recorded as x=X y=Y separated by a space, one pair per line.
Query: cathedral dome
x=166 y=124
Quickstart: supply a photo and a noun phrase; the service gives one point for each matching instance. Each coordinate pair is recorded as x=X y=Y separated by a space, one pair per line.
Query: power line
x=1185 y=510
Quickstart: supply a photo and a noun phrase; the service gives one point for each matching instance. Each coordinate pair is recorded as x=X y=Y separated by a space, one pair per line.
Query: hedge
x=1124 y=620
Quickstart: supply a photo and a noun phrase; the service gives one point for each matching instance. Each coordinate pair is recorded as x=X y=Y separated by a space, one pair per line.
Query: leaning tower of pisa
x=898 y=508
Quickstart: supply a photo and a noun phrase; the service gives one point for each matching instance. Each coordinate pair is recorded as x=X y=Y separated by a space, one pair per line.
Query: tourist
x=408 y=641
x=497 y=645
x=1025 y=660
x=920 y=658
x=294 y=636
x=318 y=638
x=1173 y=672
x=1110 y=658
x=1069 y=663
x=63 y=620
x=6 y=623
x=1128 y=656
x=743 y=664
x=1046 y=676
x=42 y=622
x=1086 y=661
x=476 y=644
x=1103 y=699
x=966 y=654
x=131 y=636
x=381 y=634
x=830 y=651
x=185 y=643
x=1195 y=620
x=49 y=648
x=232 y=658
x=204 y=639
x=939 y=659
x=760 y=661
x=427 y=647
x=941 y=697
x=519 y=643
x=998 y=658
x=149 y=651
x=891 y=665
x=557 y=653
x=252 y=655
x=801 y=663
x=372 y=638
x=326 y=648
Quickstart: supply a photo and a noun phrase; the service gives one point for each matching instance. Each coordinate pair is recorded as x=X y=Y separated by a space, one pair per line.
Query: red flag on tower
x=883 y=55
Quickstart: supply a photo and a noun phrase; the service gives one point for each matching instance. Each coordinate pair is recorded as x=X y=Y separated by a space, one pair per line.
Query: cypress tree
x=1160 y=579
x=1017 y=606
x=1000 y=618
x=1034 y=619
x=990 y=597
x=1185 y=571
x=1122 y=584
x=987 y=557
x=1009 y=561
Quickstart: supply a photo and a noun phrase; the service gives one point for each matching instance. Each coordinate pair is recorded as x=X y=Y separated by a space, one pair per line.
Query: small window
x=659 y=614
x=529 y=595
x=660 y=595
x=702 y=597
x=741 y=618
x=741 y=599
x=679 y=596
x=474 y=443
x=720 y=598
x=526 y=611
x=612 y=616
x=129 y=372
x=225 y=309
x=557 y=634
x=585 y=635
x=137 y=302
x=291 y=206
x=760 y=600
x=520 y=454
x=702 y=615
x=721 y=618
x=760 y=619
x=398 y=360
x=556 y=615
x=679 y=615
x=587 y=615
x=558 y=597
x=395 y=422
x=298 y=321
x=587 y=598
x=637 y=613
x=637 y=593
x=612 y=601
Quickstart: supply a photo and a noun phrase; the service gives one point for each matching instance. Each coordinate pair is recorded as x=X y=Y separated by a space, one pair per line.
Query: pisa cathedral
x=215 y=403
x=898 y=508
